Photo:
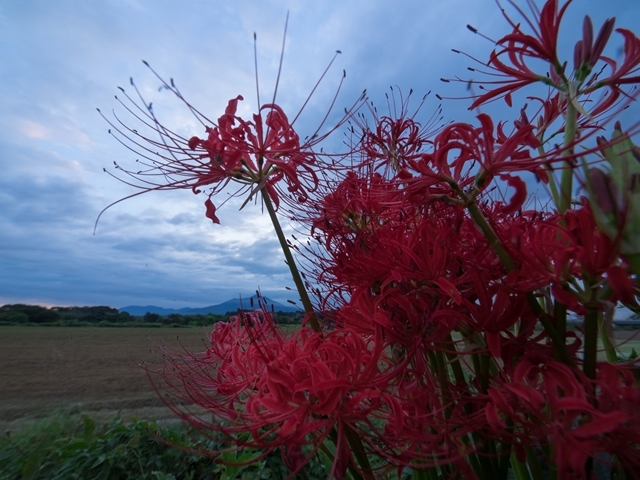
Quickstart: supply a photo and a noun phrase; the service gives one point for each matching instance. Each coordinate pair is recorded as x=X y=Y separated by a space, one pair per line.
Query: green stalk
x=504 y=461
x=297 y=279
x=491 y=235
x=634 y=262
x=590 y=343
x=609 y=347
x=560 y=316
x=495 y=243
x=352 y=437
x=421 y=474
x=355 y=442
x=551 y=330
x=355 y=474
x=566 y=180
x=534 y=464
x=591 y=332
x=443 y=374
x=519 y=468
x=453 y=359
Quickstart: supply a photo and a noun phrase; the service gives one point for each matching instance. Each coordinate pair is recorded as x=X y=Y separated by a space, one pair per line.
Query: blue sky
x=59 y=60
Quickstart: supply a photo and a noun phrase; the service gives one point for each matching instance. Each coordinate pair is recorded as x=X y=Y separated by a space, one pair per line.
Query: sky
x=62 y=59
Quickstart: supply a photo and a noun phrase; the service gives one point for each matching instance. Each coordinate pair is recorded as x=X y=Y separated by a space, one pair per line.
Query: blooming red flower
x=286 y=391
x=257 y=154
x=513 y=63
x=518 y=47
x=466 y=155
x=620 y=75
x=397 y=138
x=623 y=74
x=547 y=402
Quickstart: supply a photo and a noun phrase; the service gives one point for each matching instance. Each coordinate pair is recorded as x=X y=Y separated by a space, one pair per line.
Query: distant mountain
x=229 y=306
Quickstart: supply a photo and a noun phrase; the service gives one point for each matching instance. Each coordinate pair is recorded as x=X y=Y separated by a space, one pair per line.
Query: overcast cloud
x=59 y=60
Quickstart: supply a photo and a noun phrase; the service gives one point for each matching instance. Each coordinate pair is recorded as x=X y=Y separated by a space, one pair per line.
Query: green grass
x=61 y=448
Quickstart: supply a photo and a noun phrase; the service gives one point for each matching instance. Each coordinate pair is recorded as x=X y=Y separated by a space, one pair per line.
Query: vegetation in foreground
x=64 y=447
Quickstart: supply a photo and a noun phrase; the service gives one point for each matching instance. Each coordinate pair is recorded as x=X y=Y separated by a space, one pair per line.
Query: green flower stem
x=355 y=474
x=566 y=180
x=519 y=468
x=560 y=317
x=443 y=374
x=297 y=279
x=634 y=263
x=422 y=474
x=609 y=347
x=454 y=360
x=590 y=342
x=490 y=235
x=504 y=461
x=495 y=243
x=591 y=324
x=552 y=180
x=534 y=464
x=551 y=330
x=355 y=442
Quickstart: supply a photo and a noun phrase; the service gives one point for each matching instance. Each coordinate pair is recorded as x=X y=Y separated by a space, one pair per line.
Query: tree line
x=20 y=314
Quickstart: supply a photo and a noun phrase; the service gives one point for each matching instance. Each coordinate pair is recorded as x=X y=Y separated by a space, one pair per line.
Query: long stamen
x=255 y=61
x=284 y=38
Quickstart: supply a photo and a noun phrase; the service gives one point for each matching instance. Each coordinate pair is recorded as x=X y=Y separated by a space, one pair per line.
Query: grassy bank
x=63 y=447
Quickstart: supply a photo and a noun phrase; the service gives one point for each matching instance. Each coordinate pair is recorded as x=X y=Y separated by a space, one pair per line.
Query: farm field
x=94 y=370
x=83 y=369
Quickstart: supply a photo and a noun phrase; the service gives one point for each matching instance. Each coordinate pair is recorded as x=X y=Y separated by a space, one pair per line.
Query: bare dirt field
x=94 y=370
x=83 y=369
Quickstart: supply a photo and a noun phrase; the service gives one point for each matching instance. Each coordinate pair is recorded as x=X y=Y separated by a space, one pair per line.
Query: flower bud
x=615 y=196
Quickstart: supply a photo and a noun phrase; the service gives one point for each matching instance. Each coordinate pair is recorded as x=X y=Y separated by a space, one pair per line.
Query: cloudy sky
x=60 y=59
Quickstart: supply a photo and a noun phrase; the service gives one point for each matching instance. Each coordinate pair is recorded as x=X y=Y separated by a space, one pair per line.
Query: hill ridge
x=231 y=305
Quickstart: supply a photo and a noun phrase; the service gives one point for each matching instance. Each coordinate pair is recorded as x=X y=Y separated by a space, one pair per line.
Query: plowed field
x=94 y=370
x=84 y=369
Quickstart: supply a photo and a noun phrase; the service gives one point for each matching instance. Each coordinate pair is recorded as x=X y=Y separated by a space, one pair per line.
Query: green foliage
x=32 y=313
x=110 y=317
x=62 y=447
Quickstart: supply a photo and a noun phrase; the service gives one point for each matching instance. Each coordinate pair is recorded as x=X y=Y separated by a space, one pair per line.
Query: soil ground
x=95 y=370
x=83 y=370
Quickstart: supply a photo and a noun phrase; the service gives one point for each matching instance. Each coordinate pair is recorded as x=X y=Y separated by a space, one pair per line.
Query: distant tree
x=36 y=314
x=150 y=317
x=14 y=317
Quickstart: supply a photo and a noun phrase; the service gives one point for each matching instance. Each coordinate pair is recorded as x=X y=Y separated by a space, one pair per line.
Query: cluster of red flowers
x=434 y=275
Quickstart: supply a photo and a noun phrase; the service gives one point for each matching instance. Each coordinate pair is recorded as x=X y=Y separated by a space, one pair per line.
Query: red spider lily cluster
x=440 y=343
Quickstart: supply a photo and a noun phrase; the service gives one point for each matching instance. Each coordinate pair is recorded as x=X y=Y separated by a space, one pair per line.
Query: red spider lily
x=495 y=312
x=542 y=249
x=285 y=392
x=396 y=138
x=257 y=154
x=552 y=250
x=464 y=154
x=595 y=251
x=254 y=154
x=624 y=73
x=519 y=46
x=587 y=52
x=618 y=392
x=546 y=401
x=511 y=61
